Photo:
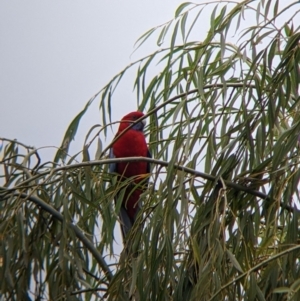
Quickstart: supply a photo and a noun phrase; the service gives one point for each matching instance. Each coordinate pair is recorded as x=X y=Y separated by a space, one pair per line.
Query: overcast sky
x=55 y=55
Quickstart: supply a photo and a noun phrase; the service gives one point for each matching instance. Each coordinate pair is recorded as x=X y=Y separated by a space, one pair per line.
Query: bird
x=132 y=143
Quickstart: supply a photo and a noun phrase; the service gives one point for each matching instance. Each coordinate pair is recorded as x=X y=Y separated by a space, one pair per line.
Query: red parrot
x=130 y=144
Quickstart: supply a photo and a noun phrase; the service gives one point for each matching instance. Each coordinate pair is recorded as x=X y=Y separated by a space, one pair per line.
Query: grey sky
x=55 y=55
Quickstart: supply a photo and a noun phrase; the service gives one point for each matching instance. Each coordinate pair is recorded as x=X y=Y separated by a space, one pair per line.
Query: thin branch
x=194 y=172
x=87 y=243
x=184 y=94
x=16 y=141
x=88 y=290
x=253 y=269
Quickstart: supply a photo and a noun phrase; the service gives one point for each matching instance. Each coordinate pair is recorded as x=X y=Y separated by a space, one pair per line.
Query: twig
x=87 y=243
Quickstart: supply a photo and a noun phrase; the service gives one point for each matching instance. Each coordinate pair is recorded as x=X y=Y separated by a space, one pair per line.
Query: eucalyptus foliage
x=220 y=217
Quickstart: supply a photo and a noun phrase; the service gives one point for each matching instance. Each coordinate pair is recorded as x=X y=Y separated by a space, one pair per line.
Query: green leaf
x=234 y=262
x=181 y=7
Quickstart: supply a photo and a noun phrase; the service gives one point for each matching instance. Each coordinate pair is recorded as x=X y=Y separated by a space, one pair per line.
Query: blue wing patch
x=112 y=166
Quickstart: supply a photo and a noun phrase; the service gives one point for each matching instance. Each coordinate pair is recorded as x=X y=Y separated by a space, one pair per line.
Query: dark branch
x=87 y=243
x=203 y=175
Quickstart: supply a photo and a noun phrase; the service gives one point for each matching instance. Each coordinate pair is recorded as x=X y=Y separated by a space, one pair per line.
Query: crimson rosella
x=130 y=144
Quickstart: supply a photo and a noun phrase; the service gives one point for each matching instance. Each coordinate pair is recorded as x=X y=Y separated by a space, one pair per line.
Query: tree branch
x=184 y=94
x=194 y=172
x=256 y=267
x=86 y=242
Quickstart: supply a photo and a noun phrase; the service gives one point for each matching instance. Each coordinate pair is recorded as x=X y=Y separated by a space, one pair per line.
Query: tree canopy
x=220 y=218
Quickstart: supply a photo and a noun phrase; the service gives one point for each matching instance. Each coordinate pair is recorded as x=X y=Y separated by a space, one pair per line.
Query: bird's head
x=128 y=119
